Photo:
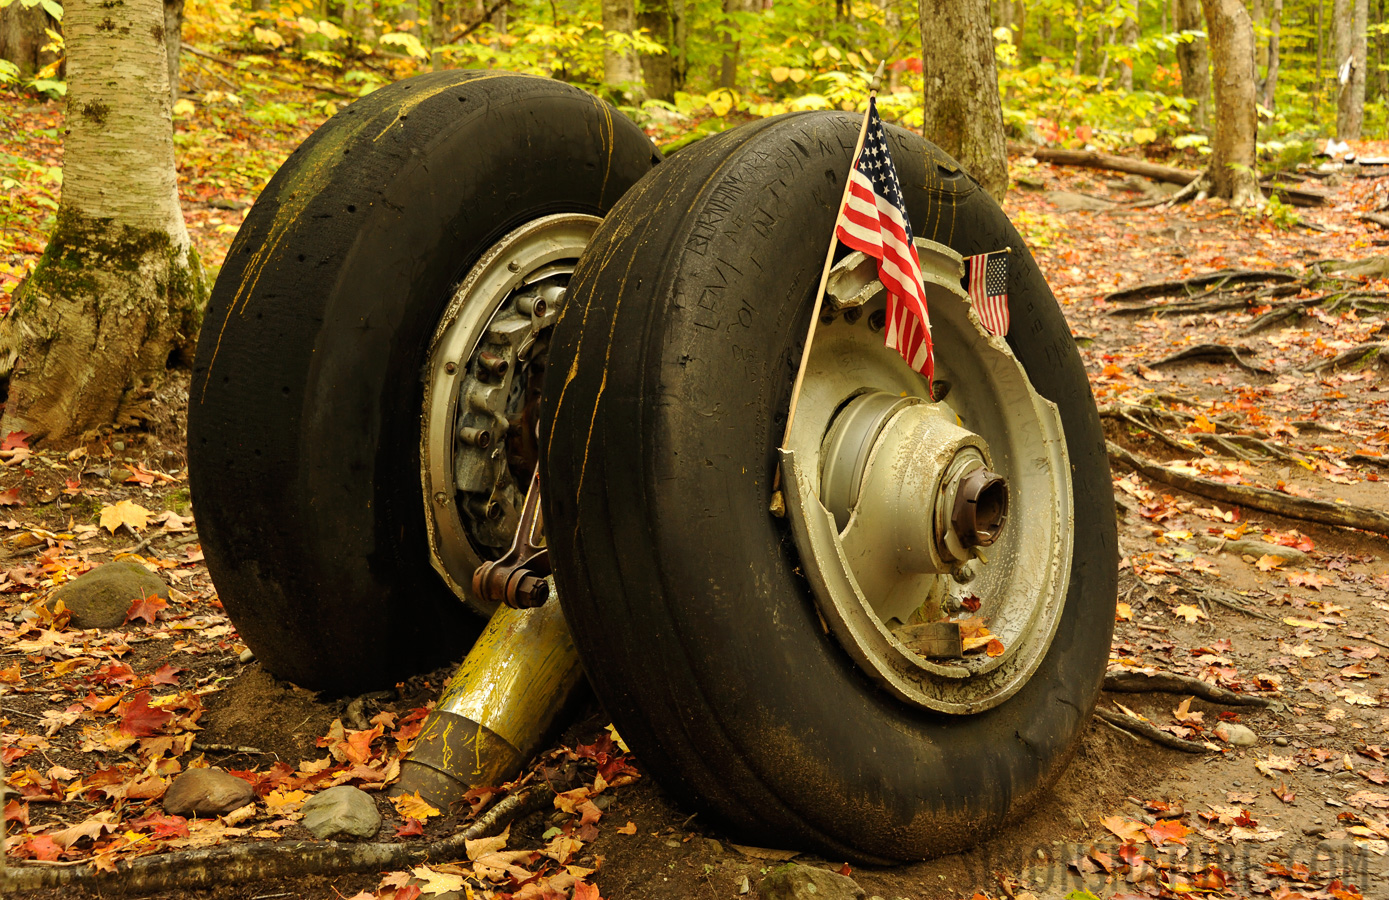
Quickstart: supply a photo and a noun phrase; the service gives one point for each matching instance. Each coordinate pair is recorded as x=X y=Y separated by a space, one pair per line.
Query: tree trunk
x=1380 y=40
x=119 y=288
x=962 y=110
x=22 y=36
x=658 y=69
x=1351 y=23
x=173 y=39
x=1233 y=145
x=1130 y=33
x=620 y=66
x=1275 y=26
x=1193 y=60
x=728 y=64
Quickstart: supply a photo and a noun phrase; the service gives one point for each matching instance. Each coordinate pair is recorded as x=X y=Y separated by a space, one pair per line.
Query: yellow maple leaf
x=1123 y=612
x=1188 y=612
x=1268 y=562
x=127 y=513
x=413 y=806
x=434 y=882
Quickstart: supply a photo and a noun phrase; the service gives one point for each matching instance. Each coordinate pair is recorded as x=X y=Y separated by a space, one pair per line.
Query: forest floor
x=95 y=723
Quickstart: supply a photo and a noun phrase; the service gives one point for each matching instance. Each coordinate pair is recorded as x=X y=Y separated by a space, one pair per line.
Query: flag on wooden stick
x=986 y=282
x=874 y=220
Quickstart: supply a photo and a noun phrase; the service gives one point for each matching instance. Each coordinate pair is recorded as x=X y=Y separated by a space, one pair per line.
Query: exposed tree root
x=1184 y=287
x=1322 y=511
x=1149 y=731
x=1171 y=683
x=1217 y=352
x=1349 y=357
x=1380 y=220
x=236 y=863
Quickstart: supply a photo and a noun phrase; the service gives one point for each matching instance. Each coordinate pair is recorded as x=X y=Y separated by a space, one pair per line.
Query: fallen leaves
x=413 y=806
x=139 y=719
x=146 y=608
x=126 y=512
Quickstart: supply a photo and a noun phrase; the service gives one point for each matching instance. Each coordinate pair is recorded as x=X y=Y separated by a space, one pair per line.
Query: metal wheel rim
x=1023 y=583
x=541 y=252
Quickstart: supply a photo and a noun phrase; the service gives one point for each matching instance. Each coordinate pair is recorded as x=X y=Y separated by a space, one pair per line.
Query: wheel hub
x=900 y=505
x=482 y=389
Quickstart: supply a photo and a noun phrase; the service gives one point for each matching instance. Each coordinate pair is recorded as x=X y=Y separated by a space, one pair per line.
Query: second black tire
x=684 y=326
x=304 y=420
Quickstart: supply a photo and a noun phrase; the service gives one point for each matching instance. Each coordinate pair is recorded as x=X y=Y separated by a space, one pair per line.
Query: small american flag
x=986 y=282
x=874 y=220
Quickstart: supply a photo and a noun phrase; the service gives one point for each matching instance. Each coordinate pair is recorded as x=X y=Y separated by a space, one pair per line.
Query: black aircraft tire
x=681 y=336
x=305 y=406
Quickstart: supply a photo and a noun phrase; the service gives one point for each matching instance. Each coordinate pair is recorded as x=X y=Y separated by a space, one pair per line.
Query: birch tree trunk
x=1193 y=60
x=1275 y=25
x=620 y=65
x=1351 y=24
x=173 y=40
x=1231 y=169
x=118 y=289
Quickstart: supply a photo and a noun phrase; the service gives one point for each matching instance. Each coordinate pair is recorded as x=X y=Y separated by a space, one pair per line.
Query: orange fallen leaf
x=413 y=806
x=629 y=828
x=1168 y=831
x=1127 y=830
x=147 y=608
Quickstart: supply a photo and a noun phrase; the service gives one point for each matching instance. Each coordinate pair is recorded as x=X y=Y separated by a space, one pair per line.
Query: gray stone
x=1068 y=201
x=794 y=881
x=1236 y=735
x=101 y=598
x=1256 y=549
x=341 y=812
x=206 y=792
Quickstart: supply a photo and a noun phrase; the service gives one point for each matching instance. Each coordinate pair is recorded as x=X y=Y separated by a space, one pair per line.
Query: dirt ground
x=1301 y=813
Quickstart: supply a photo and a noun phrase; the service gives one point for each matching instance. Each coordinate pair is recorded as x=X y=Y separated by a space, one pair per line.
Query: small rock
x=743 y=885
x=246 y=656
x=713 y=846
x=1236 y=735
x=1236 y=784
x=341 y=812
x=794 y=881
x=101 y=598
x=206 y=792
x=1280 y=742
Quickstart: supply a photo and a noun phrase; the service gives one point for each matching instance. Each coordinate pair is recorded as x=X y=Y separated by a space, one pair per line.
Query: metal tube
x=496 y=708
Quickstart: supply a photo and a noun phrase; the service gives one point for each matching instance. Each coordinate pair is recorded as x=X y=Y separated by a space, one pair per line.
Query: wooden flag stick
x=825 y=273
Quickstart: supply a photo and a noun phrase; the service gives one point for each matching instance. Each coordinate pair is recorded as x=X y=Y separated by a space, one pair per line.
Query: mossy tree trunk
x=119 y=289
x=1231 y=169
x=22 y=37
x=963 y=113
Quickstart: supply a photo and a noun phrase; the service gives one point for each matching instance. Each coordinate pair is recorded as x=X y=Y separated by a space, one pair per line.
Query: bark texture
x=1193 y=60
x=1236 y=127
x=728 y=65
x=658 y=69
x=963 y=113
x=620 y=65
x=1351 y=24
x=118 y=289
x=173 y=39
x=22 y=37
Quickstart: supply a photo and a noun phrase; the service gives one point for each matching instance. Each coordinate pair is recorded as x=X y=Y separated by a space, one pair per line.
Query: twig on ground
x=1172 y=683
x=1149 y=731
x=1183 y=287
x=236 y=863
x=1324 y=512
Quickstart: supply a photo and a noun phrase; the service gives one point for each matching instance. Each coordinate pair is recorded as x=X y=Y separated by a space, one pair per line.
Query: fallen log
x=1324 y=512
x=237 y=863
x=1093 y=159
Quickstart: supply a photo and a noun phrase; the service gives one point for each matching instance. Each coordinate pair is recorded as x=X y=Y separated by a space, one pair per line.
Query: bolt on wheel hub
x=903 y=507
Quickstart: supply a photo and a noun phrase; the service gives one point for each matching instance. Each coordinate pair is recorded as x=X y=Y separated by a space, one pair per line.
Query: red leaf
x=15 y=440
x=1167 y=831
x=17 y=812
x=411 y=828
x=845 y=870
x=166 y=674
x=42 y=847
x=10 y=497
x=146 y=608
x=408 y=892
x=139 y=720
x=162 y=827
